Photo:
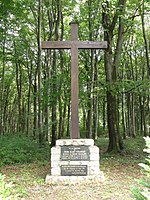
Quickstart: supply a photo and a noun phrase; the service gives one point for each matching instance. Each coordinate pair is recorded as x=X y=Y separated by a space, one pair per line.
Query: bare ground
x=28 y=183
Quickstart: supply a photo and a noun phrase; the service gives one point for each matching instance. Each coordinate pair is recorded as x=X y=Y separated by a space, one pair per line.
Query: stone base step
x=67 y=180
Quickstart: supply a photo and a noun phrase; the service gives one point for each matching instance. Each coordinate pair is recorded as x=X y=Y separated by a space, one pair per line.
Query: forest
x=114 y=95
x=35 y=94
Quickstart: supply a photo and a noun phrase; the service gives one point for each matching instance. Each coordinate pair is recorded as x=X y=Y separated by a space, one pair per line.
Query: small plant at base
x=144 y=194
x=5 y=188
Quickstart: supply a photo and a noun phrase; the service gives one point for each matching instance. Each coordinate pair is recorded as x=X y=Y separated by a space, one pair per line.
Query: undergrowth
x=133 y=150
x=18 y=149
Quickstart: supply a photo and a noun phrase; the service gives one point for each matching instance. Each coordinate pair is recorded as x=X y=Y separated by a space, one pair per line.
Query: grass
x=27 y=176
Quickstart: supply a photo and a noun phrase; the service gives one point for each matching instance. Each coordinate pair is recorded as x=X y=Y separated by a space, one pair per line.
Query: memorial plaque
x=74 y=170
x=75 y=153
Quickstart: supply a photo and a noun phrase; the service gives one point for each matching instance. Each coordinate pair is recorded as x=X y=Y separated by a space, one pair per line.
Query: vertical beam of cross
x=74 y=84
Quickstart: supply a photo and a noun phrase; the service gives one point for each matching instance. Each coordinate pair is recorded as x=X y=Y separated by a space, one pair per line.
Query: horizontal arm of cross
x=77 y=44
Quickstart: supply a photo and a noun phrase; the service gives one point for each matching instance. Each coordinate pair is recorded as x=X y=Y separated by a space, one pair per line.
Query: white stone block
x=75 y=162
x=94 y=149
x=94 y=153
x=55 y=153
x=55 y=164
x=55 y=150
x=55 y=157
x=87 y=142
x=55 y=171
x=94 y=170
x=94 y=164
x=72 y=180
x=94 y=157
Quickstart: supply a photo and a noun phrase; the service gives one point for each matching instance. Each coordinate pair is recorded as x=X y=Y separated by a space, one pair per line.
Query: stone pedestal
x=74 y=160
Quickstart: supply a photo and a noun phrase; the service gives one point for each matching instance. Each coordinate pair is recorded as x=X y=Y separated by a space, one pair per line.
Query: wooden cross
x=74 y=45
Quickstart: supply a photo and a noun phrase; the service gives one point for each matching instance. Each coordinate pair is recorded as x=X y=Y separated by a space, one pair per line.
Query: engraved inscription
x=75 y=153
x=74 y=170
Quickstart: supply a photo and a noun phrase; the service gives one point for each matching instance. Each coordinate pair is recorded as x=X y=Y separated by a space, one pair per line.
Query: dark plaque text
x=74 y=170
x=75 y=153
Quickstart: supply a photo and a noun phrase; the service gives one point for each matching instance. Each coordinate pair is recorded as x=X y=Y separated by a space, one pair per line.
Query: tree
x=35 y=85
x=112 y=60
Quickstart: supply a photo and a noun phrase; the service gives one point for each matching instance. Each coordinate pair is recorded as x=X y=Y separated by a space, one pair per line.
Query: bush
x=20 y=149
x=144 y=193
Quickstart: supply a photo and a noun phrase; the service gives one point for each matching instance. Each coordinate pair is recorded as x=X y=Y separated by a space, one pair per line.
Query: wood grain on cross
x=74 y=45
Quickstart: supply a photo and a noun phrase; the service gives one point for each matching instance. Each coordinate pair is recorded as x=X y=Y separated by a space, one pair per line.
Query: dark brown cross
x=74 y=45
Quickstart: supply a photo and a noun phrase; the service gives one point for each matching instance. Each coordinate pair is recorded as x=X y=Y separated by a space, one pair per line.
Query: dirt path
x=28 y=181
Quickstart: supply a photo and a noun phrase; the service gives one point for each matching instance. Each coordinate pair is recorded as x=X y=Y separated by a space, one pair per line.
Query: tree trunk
x=29 y=99
x=61 y=114
x=147 y=49
x=63 y=120
x=104 y=113
x=35 y=105
x=19 y=91
x=2 y=92
x=115 y=140
x=142 y=10
x=60 y=117
x=54 y=73
x=124 y=117
x=54 y=101
x=41 y=133
x=68 y=119
x=95 y=100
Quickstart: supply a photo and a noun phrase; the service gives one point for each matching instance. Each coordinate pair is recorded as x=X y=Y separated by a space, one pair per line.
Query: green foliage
x=144 y=193
x=134 y=146
x=139 y=87
x=8 y=189
x=20 y=149
x=5 y=188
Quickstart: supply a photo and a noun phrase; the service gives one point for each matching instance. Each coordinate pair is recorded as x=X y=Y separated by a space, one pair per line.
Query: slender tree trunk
x=5 y=109
x=91 y=79
x=142 y=10
x=41 y=133
x=35 y=105
x=90 y=98
x=147 y=49
x=104 y=113
x=68 y=120
x=54 y=101
x=60 y=133
x=123 y=105
x=47 y=108
x=124 y=117
x=63 y=120
x=2 y=93
x=84 y=117
x=133 y=116
x=29 y=100
x=54 y=73
x=95 y=100
x=60 y=118
x=19 y=91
